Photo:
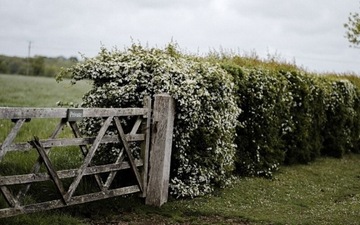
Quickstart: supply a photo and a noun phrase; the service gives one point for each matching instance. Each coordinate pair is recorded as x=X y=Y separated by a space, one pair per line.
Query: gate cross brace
x=11 y=136
x=85 y=150
x=88 y=158
x=37 y=165
x=121 y=155
x=9 y=139
x=112 y=174
x=52 y=172
x=128 y=152
x=13 y=202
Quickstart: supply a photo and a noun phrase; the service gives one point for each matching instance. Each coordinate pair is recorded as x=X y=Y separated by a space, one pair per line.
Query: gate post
x=160 y=153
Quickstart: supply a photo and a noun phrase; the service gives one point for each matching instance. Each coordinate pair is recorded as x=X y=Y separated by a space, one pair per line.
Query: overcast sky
x=309 y=32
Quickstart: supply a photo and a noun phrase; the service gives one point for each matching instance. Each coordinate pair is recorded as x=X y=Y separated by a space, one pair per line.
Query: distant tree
x=37 y=65
x=3 y=66
x=73 y=59
x=353 y=29
x=16 y=65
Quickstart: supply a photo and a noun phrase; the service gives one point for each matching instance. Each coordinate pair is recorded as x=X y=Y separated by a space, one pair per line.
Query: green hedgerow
x=206 y=109
x=341 y=133
x=304 y=141
x=263 y=97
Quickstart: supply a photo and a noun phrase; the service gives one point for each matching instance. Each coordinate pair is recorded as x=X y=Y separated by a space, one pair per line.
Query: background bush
x=263 y=98
x=288 y=116
x=35 y=66
x=206 y=110
x=341 y=134
x=303 y=141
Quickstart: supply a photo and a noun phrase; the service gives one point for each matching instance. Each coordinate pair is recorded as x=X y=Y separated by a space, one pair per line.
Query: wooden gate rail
x=88 y=147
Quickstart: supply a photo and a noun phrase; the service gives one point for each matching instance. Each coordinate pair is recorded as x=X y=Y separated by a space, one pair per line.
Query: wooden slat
x=25 y=113
x=88 y=159
x=73 y=201
x=85 y=150
x=37 y=165
x=136 y=125
x=50 y=168
x=128 y=152
x=10 y=138
x=145 y=145
x=61 y=142
x=112 y=175
x=76 y=131
x=63 y=174
x=9 y=197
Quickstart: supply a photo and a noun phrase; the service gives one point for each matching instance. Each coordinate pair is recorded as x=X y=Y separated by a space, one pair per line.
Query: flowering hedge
x=287 y=116
x=206 y=110
x=303 y=141
x=341 y=133
x=263 y=99
x=292 y=117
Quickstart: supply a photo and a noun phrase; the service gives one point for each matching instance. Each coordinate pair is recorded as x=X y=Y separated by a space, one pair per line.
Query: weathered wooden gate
x=103 y=175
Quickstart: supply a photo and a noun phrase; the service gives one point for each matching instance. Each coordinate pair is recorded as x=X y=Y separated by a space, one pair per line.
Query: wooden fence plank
x=88 y=158
x=136 y=126
x=112 y=175
x=73 y=201
x=10 y=137
x=37 y=165
x=85 y=150
x=51 y=170
x=62 y=142
x=128 y=152
x=160 y=154
x=145 y=145
x=63 y=174
x=25 y=113
x=9 y=197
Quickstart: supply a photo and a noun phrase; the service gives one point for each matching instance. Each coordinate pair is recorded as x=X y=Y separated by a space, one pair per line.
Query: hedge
x=292 y=117
x=287 y=115
x=206 y=111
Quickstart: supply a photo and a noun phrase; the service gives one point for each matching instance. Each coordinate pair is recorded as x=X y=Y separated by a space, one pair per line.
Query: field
x=27 y=91
x=324 y=192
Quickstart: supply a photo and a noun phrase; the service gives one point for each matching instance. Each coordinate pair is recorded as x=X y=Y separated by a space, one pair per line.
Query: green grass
x=326 y=191
x=27 y=91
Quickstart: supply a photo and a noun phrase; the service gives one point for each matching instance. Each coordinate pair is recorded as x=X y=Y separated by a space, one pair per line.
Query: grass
x=326 y=191
x=27 y=91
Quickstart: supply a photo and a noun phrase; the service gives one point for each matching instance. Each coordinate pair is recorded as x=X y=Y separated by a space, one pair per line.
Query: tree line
x=35 y=66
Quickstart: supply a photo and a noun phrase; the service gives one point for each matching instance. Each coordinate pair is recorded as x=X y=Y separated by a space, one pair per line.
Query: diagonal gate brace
x=52 y=172
x=128 y=152
x=88 y=158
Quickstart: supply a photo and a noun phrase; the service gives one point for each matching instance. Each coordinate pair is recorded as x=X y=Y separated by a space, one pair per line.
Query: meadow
x=326 y=191
x=28 y=91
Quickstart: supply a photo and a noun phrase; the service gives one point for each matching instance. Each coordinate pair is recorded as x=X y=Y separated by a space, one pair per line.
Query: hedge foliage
x=206 y=110
x=292 y=117
x=287 y=116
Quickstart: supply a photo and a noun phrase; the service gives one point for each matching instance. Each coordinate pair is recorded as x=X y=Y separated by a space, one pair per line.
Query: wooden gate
x=14 y=188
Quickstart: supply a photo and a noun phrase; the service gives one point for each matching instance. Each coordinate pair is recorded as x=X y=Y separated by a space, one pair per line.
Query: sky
x=307 y=32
